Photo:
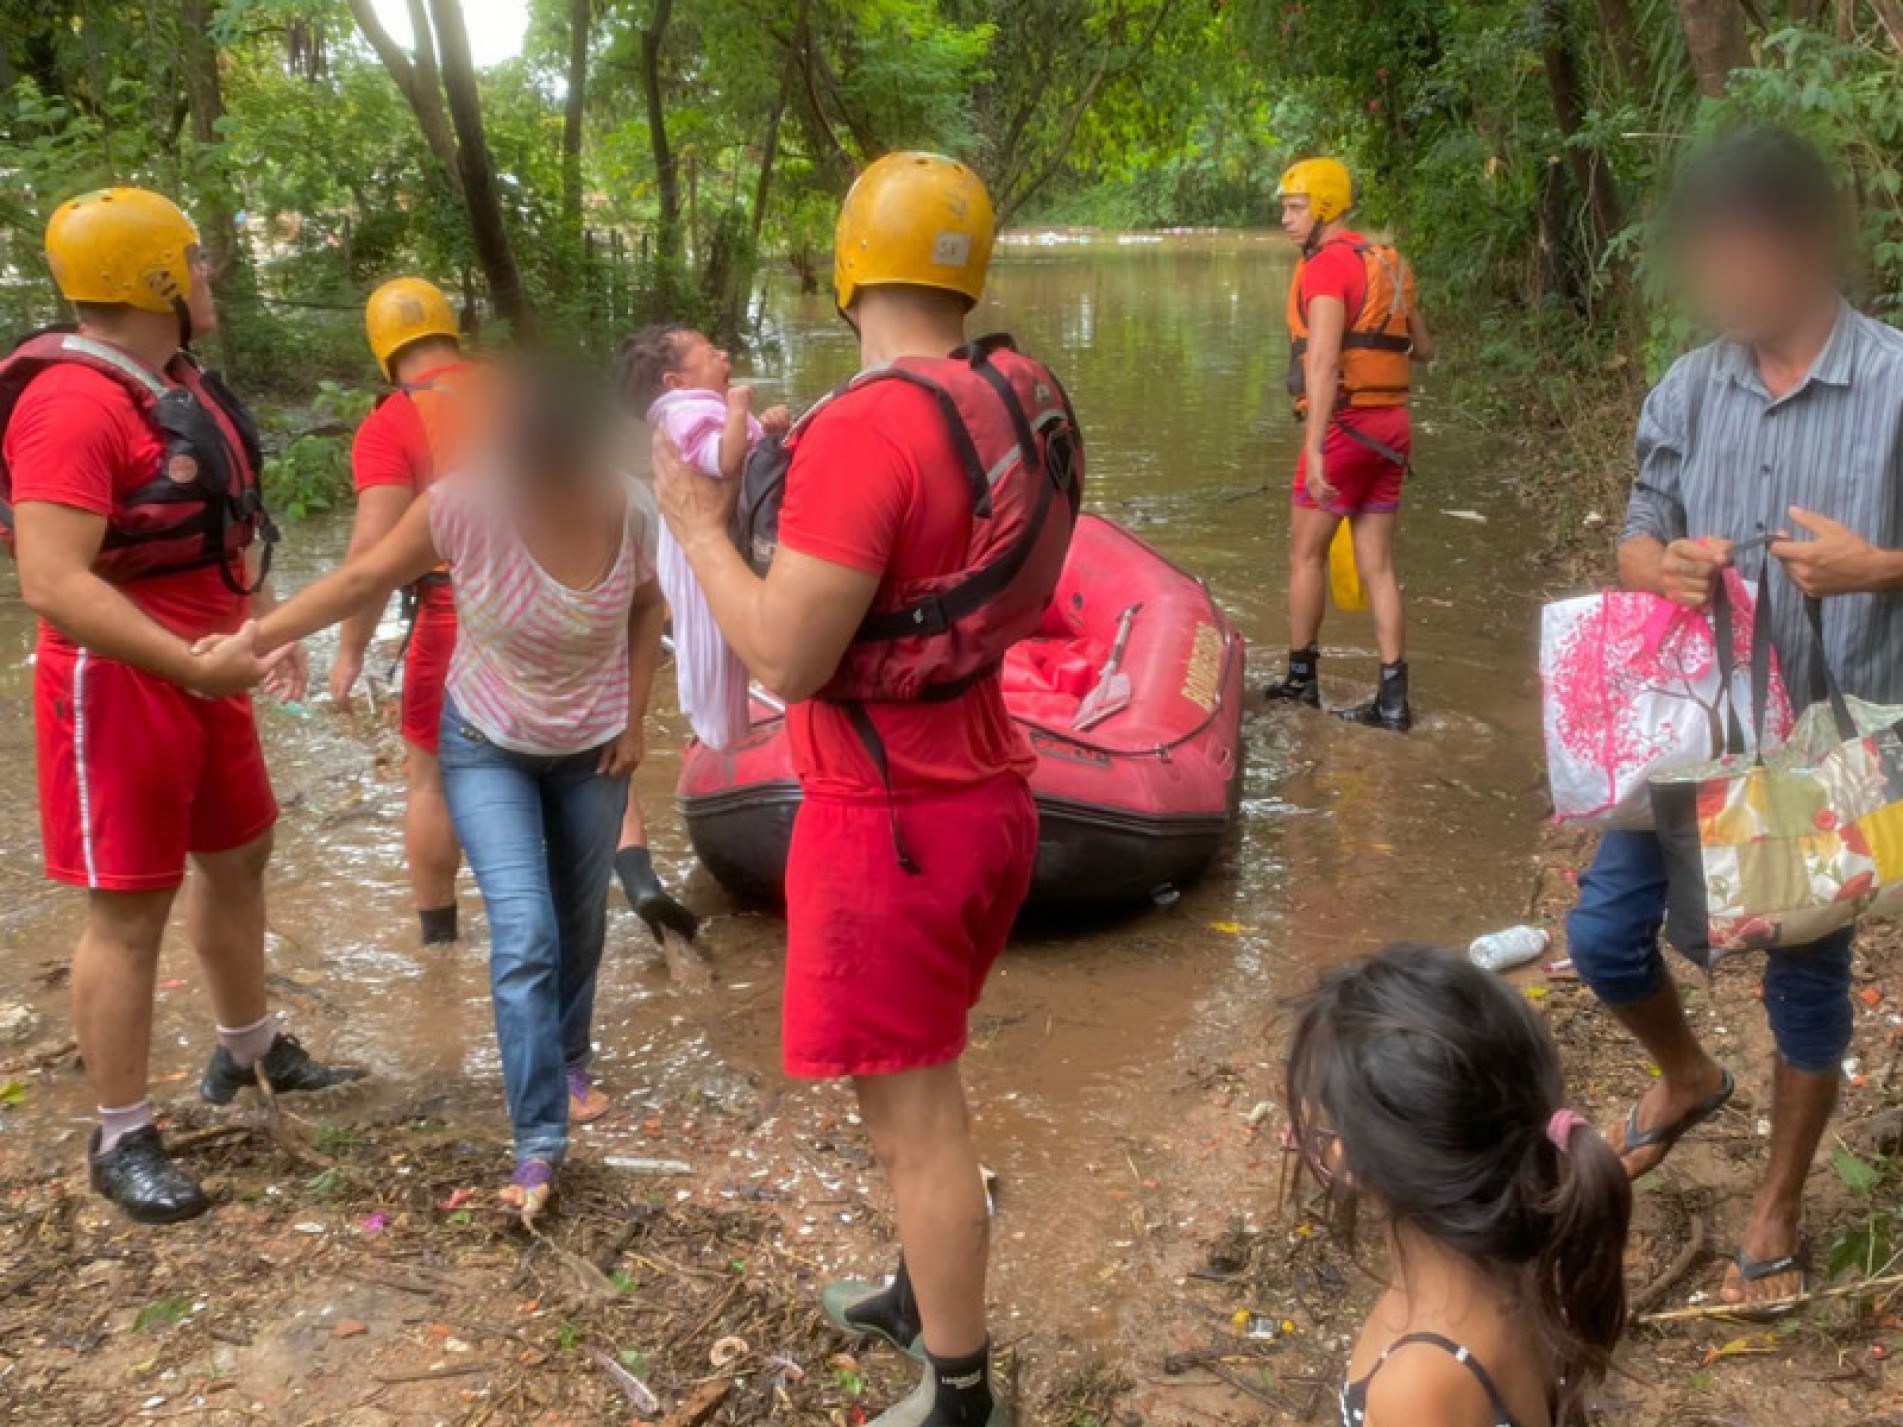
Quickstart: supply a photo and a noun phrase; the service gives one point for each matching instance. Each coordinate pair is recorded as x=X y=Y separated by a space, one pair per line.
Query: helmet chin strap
x=182 y=310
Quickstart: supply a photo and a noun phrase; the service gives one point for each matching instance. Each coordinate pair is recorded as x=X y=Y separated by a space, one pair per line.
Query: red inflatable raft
x=1130 y=807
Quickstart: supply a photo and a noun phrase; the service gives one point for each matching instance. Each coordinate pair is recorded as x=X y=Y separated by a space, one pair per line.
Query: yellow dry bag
x=1344 y=578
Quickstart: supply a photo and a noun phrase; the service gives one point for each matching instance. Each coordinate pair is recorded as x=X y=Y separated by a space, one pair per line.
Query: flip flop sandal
x=1665 y=1138
x=534 y=1180
x=1752 y=1271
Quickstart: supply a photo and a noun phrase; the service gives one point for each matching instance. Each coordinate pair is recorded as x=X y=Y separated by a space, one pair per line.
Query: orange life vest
x=1375 y=360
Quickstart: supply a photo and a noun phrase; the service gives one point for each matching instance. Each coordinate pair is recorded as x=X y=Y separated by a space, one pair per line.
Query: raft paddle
x=1113 y=692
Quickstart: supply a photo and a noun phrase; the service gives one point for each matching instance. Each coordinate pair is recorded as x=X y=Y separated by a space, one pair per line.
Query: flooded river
x=1089 y=1047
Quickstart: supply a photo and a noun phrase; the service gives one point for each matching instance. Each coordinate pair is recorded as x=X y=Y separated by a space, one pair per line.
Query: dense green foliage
x=1515 y=145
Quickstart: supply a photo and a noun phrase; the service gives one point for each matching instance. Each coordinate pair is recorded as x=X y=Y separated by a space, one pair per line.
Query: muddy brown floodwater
x=1090 y=1046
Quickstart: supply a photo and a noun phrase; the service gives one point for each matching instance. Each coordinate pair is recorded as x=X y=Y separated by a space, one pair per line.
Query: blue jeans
x=1613 y=934
x=540 y=836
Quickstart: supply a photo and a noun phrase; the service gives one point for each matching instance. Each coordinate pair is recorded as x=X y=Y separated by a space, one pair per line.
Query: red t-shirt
x=1338 y=271
x=392 y=448
x=78 y=439
x=876 y=486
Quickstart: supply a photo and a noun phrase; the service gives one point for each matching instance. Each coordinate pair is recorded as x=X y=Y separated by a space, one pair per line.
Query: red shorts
x=1365 y=481
x=884 y=966
x=426 y=669
x=135 y=773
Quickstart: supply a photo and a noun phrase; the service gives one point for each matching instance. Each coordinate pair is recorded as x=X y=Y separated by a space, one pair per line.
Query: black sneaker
x=1389 y=708
x=287 y=1065
x=1302 y=684
x=140 y=1177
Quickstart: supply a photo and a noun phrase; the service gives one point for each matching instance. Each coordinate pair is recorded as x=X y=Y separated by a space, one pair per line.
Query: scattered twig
x=1649 y=1295
x=1243 y=1385
x=1773 y=1305
x=39 y=1058
x=431 y=1374
x=700 y=1405
x=211 y=1135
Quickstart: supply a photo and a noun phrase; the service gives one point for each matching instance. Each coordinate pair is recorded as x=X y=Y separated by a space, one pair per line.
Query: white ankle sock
x=115 y=1125
x=247 y=1044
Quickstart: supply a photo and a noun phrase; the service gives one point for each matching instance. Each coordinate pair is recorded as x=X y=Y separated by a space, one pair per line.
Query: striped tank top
x=540 y=668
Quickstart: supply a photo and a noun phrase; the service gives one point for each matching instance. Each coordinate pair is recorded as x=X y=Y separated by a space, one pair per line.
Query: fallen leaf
x=350 y=1328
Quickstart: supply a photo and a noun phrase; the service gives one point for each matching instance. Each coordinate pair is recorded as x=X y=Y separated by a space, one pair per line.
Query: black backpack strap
x=1377 y=341
x=976 y=476
x=868 y=732
x=1376 y=445
x=932 y=615
x=939 y=612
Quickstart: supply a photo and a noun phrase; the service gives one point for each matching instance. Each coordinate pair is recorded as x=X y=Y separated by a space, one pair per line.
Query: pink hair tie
x=1560 y=1128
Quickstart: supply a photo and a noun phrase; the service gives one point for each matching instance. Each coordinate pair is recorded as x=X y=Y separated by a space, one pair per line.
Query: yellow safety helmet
x=1325 y=183
x=918 y=219
x=406 y=310
x=122 y=245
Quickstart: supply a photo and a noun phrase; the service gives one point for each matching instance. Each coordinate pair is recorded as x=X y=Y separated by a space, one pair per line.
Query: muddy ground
x=353 y=1273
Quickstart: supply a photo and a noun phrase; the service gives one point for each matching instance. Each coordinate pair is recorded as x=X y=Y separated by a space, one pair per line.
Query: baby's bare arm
x=734 y=440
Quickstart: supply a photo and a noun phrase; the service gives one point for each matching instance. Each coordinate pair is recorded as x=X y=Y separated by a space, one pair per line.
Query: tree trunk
x=579 y=18
x=1569 y=111
x=770 y=152
x=218 y=203
x=667 y=177
x=480 y=194
x=416 y=81
x=1714 y=33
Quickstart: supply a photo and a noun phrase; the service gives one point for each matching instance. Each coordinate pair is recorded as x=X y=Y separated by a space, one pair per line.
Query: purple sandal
x=533 y=1184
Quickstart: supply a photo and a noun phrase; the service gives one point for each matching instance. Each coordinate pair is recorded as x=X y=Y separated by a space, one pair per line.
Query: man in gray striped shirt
x=1791 y=423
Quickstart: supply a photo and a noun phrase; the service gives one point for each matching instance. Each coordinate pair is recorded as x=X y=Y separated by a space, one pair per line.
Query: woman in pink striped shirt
x=550 y=551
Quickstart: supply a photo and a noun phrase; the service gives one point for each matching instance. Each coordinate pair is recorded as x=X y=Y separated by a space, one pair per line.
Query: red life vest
x=202 y=505
x=1023 y=458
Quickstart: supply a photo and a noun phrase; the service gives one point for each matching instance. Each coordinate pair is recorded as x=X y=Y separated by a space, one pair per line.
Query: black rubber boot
x=1302 y=683
x=140 y=1177
x=650 y=899
x=438 y=925
x=867 y=1310
x=1389 y=707
x=287 y=1065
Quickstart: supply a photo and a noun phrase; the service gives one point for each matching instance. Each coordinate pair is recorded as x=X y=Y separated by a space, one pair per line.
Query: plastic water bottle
x=1502 y=951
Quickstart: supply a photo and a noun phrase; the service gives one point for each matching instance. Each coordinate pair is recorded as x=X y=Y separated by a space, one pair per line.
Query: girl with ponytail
x=1427 y=1091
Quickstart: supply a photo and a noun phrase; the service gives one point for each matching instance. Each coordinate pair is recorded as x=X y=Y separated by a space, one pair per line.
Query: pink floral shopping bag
x=1634 y=685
